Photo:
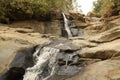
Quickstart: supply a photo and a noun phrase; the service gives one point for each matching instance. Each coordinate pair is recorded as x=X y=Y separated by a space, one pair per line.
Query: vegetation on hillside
x=25 y=9
x=107 y=8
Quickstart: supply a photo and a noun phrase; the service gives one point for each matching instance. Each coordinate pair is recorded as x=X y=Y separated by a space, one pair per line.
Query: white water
x=46 y=59
x=66 y=26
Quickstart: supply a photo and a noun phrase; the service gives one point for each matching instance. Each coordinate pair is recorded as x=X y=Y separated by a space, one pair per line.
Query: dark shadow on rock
x=22 y=60
x=14 y=73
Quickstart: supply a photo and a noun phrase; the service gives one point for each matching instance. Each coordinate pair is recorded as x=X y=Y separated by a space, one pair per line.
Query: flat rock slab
x=103 y=70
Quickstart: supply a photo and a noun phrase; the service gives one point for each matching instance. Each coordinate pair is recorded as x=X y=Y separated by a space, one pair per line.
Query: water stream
x=45 y=64
x=56 y=61
x=69 y=34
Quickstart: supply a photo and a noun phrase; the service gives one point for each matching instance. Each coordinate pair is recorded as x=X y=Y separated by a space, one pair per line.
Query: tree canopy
x=17 y=9
x=107 y=7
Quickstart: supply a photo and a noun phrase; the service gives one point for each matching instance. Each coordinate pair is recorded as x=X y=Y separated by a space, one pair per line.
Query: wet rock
x=64 y=45
x=64 y=33
x=74 y=32
x=68 y=70
x=68 y=56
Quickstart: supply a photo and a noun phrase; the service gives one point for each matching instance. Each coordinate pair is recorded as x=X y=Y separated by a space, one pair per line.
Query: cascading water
x=45 y=64
x=57 y=60
x=69 y=34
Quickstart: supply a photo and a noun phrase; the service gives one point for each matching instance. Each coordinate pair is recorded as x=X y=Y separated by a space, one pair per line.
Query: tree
x=25 y=9
x=107 y=7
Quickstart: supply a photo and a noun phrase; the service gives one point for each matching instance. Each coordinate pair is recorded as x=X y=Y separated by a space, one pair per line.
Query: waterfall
x=45 y=64
x=69 y=34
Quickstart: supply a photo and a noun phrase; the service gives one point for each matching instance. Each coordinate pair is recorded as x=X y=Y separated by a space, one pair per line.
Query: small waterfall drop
x=69 y=34
x=45 y=64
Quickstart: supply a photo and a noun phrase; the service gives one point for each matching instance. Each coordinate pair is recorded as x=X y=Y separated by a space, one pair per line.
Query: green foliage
x=107 y=7
x=25 y=9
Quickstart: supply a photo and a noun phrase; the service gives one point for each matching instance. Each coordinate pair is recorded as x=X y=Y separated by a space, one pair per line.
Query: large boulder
x=102 y=51
x=103 y=70
x=14 y=39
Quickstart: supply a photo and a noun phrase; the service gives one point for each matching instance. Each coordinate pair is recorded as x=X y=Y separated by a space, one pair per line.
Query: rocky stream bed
x=28 y=47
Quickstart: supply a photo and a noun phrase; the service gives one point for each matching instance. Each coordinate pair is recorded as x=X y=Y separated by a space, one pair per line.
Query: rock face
x=68 y=61
x=103 y=31
x=104 y=70
x=48 y=27
x=101 y=41
x=14 y=39
x=94 y=55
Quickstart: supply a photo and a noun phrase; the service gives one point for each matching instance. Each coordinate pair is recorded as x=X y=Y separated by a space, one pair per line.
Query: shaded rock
x=53 y=27
x=47 y=27
x=36 y=26
x=23 y=58
x=54 y=14
x=22 y=30
x=8 y=52
x=14 y=73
